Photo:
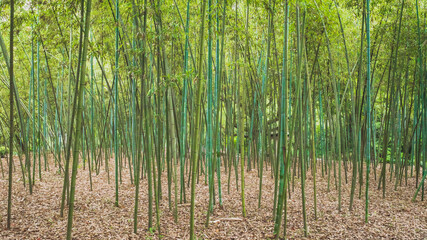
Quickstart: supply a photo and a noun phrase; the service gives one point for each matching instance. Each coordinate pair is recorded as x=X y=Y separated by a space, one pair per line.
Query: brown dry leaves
x=36 y=216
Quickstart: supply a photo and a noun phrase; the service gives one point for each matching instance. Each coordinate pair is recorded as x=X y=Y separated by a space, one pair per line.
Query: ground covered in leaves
x=37 y=216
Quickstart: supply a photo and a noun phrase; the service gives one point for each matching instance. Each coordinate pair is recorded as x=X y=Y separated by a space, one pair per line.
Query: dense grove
x=167 y=95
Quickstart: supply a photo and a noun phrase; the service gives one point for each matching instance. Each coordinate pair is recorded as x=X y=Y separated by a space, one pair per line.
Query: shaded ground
x=36 y=216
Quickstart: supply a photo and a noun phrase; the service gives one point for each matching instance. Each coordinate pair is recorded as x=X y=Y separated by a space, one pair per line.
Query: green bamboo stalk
x=92 y=111
x=283 y=161
x=11 y=131
x=218 y=85
x=141 y=139
x=209 y=133
x=116 y=108
x=174 y=153
x=368 y=110
x=168 y=146
x=263 y=120
x=158 y=145
x=229 y=123
x=236 y=96
x=39 y=114
x=147 y=138
x=28 y=162
x=184 y=110
x=241 y=106
x=45 y=135
x=79 y=119
x=313 y=149
x=301 y=147
x=196 y=123
x=322 y=134
x=423 y=110
x=73 y=110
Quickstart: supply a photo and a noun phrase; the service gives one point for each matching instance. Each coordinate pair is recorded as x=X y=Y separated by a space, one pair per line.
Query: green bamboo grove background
x=199 y=88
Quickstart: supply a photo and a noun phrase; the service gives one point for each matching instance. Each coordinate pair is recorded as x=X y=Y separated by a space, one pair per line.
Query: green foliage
x=3 y=151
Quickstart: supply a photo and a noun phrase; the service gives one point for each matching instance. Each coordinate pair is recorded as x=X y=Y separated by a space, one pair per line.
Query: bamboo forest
x=213 y=119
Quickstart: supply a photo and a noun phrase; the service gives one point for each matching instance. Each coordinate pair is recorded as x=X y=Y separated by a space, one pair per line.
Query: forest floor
x=37 y=216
